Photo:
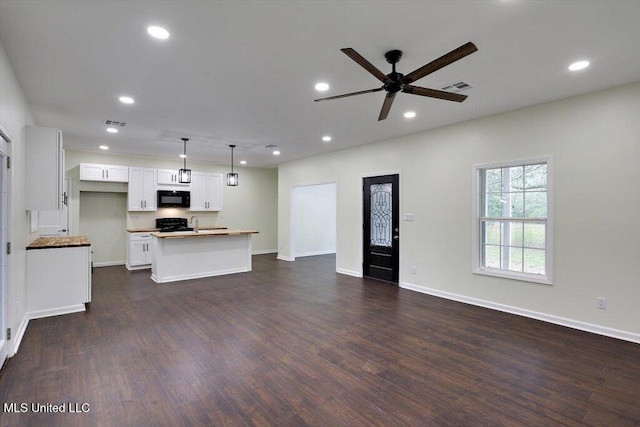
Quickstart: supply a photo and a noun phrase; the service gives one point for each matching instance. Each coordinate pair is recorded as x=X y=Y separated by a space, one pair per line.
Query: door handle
x=396 y=237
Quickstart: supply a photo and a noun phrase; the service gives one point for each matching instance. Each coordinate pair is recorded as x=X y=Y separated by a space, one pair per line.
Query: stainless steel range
x=167 y=225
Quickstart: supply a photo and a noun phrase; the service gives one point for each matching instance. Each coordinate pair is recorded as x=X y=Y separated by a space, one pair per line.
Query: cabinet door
x=214 y=192
x=137 y=252
x=168 y=177
x=44 y=162
x=149 y=193
x=198 y=191
x=148 y=252
x=92 y=172
x=135 y=193
x=117 y=173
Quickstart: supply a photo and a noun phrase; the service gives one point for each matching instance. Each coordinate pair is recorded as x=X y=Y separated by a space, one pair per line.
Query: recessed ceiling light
x=112 y=130
x=326 y=138
x=276 y=153
x=158 y=32
x=409 y=114
x=104 y=147
x=243 y=162
x=183 y=156
x=580 y=65
x=322 y=86
x=126 y=100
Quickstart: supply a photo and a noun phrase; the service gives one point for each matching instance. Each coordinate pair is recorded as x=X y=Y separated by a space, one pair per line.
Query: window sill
x=544 y=280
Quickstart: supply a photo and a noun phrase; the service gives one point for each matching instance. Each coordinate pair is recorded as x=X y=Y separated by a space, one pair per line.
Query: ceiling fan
x=395 y=82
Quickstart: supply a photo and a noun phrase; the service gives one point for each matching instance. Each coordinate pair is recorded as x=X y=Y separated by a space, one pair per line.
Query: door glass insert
x=381 y=214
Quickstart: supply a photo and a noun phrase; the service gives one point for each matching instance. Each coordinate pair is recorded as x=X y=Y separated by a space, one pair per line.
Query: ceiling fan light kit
x=395 y=82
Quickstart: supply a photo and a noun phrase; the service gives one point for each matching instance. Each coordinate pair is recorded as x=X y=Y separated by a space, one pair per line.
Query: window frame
x=477 y=267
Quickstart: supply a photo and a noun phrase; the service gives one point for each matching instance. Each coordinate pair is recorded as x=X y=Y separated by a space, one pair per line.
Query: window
x=512 y=220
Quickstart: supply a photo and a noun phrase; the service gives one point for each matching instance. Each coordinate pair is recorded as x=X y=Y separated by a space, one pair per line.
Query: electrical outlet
x=602 y=303
x=414 y=270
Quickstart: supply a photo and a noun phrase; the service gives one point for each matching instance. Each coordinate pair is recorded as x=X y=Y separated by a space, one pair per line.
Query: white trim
x=284 y=258
x=56 y=311
x=19 y=334
x=549 y=318
x=349 y=272
x=137 y=267
x=109 y=263
x=264 y=252
x=314 y=253
x=200 y=275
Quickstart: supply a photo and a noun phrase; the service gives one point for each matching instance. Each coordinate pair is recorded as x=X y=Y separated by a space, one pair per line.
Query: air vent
x=457 y=87
x=114 y=123
x=270 y=146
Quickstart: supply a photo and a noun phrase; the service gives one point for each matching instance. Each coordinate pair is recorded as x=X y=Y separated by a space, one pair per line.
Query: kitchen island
x=190 y=255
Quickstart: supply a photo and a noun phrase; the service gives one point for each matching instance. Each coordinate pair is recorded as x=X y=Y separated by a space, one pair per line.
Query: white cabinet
x=109 y=173
x=44 y=169
x=58 y=280
x=206 y=191
x=169 y=177
x=142 y=195
x=139 y=251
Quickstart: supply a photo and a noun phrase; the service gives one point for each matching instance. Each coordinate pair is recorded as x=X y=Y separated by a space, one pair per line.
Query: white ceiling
x=243 y=72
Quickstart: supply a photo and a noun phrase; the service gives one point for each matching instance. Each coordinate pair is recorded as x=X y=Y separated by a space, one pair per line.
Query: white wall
x=594 y=141
x=15 y=115
x=250 y=205
x=314 y=219
x=103 y=219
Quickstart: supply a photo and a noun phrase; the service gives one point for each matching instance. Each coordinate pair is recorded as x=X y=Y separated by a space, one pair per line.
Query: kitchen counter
x=202 y=233
x=59 y=242
x=187 y=255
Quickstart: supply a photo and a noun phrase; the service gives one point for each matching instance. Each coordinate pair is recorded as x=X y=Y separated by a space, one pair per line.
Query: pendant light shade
x=232 y=178
x=184 y=174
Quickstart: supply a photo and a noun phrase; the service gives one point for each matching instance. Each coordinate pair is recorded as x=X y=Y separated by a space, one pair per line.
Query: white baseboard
x=108 y=263
x=264 y=252
x=138 y=267
x=56 y=311
x=314 y=253
x=19 y=334
x=284 y=258
x=348 y=272
x=570 y=323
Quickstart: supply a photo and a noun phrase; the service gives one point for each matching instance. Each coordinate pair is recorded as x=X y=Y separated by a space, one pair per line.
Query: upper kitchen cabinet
x=142 y=189
x=169 y=177
x=108 y=173
x=206 y=191
x=45 y=169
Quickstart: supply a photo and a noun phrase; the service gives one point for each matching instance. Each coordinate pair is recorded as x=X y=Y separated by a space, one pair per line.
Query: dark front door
x=381 y=237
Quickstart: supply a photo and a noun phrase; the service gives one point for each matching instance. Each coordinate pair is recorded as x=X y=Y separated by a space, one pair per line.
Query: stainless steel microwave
x=174 y=199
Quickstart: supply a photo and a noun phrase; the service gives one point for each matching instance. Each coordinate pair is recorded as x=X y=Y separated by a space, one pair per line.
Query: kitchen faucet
x=196 y=227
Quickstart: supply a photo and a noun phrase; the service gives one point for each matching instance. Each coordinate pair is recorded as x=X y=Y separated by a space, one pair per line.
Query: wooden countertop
x=152 y=230
x=59 y=242
x=203 y=233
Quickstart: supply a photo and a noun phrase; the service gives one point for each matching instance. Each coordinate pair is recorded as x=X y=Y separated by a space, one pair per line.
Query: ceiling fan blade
x=433 y=93
x=386 y=106
x=443 y=61
x=365 y=64
x=349 y=94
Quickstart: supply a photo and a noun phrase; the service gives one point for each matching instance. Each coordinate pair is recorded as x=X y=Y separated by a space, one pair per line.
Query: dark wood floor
x=298 y=344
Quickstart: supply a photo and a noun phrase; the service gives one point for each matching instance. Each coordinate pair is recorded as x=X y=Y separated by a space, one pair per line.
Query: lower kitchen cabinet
x=58 y=280
x=139 y=251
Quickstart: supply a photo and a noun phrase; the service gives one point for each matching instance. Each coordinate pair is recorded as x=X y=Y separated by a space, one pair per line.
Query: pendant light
x=232 y=178
x=184 y=174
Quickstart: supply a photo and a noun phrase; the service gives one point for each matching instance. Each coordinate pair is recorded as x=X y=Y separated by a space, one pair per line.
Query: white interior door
x=56 y=223
x=4 y=233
